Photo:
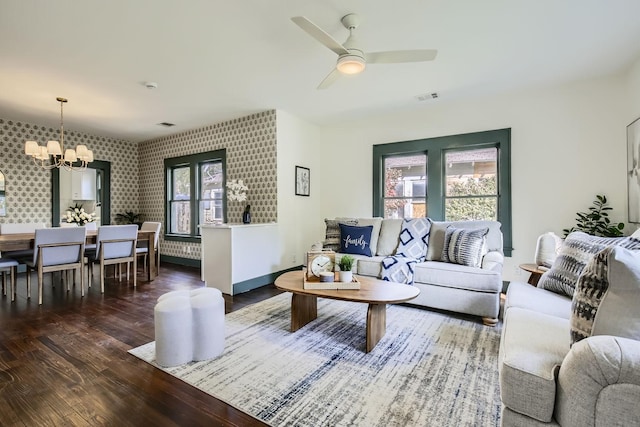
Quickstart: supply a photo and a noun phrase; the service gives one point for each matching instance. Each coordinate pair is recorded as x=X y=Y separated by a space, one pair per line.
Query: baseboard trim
x=258 y=282
x=181 y=261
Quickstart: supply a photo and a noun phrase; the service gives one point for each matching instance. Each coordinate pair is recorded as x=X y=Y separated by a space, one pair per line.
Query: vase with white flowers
x=237 y=192
x=77 y=215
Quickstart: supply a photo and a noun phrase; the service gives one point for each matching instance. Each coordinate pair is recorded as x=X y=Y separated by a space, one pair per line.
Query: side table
x=535 y=273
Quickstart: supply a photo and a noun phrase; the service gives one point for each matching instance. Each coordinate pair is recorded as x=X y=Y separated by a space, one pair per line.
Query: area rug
x=430 y=368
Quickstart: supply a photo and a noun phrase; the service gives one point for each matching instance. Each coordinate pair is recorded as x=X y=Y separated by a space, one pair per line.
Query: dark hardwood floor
x=65 y=363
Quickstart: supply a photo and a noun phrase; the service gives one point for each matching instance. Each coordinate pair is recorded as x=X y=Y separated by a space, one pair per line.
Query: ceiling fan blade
x=319 y=34
x=330 y=79
x=395 y=56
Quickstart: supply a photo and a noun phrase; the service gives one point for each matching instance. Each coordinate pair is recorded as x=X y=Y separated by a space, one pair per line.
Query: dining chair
x=115 y=244
x=9 y=265
x=56 y=249
x=142 y=248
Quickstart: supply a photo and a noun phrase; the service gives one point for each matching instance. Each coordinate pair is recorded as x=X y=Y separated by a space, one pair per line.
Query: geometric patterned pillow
x=464 y=246
x=332 y=235
x=414 y=238
x=607 y=295
x=576 y=251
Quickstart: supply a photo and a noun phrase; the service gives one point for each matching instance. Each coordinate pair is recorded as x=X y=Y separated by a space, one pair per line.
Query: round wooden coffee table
x=376 y=293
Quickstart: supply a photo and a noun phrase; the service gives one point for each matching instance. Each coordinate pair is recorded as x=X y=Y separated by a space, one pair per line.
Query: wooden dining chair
x=56 y=249
x=115 y=244
x=142 y=249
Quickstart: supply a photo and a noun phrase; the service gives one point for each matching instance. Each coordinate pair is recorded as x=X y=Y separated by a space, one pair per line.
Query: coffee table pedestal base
x=376 y=324
x=304 y=309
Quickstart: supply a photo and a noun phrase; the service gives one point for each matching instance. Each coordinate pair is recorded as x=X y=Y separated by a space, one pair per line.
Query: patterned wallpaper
x=28 y=187
x=251 y=156
x=137 y=170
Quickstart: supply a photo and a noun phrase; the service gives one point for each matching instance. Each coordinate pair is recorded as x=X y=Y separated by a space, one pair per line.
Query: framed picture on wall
x=303 y=181
x=633 y=170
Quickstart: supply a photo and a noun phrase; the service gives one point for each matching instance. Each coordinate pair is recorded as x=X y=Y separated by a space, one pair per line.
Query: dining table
x=25 y=241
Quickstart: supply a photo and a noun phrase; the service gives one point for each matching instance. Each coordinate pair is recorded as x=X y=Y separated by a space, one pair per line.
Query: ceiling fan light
x=350 y=64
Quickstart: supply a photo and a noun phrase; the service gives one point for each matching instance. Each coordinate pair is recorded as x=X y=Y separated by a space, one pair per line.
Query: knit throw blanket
x=412 y=249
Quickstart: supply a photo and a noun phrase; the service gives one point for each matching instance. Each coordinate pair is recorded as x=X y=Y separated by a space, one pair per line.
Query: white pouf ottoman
x=181 y=293
x=173 y=331
x=207 y=310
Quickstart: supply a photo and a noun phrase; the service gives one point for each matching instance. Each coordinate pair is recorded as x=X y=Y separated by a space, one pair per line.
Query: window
x=194 y=186
x=471 y=185
x=452 y=178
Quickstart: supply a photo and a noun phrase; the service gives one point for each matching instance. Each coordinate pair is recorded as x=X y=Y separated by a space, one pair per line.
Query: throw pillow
x=332 y=234
x=355 y=240
x=576 y=251
x=464 y=246
x=414 y=238
x=607 y=295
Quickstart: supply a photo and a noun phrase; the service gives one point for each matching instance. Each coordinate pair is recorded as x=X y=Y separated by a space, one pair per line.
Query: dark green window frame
x=435 y=149
x=192 y=161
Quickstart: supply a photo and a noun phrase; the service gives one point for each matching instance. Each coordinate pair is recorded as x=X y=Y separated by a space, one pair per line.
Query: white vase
x=345 y=276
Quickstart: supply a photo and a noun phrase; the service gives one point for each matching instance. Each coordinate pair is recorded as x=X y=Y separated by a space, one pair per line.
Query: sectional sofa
x=443 y=285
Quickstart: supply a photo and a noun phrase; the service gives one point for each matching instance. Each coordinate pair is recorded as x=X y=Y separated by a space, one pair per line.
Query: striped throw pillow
x=576 y=251
x=607 y=295
x=464 y=246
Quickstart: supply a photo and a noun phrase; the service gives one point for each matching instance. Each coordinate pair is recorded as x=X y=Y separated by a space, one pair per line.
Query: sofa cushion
x=332 y=233
x=355 y=239
x=576 y=251
x=463 y=246
x=458 y=276
x=369 y=266
x=532 y=348
x=389 y=236
x=438 y=230
x=414 y=238
x=524 y=295
x=607 y=295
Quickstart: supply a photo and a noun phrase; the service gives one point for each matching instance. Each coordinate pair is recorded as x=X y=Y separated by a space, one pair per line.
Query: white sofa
x=443 y=285
x=547 y=381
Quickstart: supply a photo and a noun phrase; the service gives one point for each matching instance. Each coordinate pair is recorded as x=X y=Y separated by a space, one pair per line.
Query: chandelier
x=54 y=155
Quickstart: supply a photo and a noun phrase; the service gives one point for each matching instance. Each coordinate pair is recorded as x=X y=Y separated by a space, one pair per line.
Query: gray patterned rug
x=430 y=369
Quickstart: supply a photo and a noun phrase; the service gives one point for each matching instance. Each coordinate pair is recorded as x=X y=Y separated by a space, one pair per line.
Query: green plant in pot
x=345 y=264
x=129 y=217
x=596 y=222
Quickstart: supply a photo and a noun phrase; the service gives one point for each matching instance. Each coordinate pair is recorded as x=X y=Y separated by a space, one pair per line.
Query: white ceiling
x=216 y=60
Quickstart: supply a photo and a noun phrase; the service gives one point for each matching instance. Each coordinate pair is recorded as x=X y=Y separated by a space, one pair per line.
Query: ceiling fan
x=351 y=58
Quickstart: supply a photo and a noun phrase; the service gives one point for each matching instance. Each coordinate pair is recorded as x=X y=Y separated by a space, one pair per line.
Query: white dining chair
x=142 y=248
x=115 y=244
x=9 y=265
x=56 y=249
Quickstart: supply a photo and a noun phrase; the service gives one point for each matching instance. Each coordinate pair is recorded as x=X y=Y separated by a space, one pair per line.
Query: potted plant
x=129 y=217
x=596 y=222
x=345 y=264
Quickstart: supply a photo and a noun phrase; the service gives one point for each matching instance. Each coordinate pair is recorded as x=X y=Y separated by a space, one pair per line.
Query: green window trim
x=192 y=161
x=435 y=149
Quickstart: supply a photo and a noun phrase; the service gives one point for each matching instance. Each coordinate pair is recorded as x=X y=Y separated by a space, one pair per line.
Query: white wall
x=298 y=224
x=568 y=144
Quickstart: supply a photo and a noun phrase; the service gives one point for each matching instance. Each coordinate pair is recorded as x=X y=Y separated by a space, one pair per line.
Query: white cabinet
x=83 y=185
x=235 y=256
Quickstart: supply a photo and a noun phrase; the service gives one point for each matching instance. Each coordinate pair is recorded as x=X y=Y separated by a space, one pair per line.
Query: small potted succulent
x=345 y=264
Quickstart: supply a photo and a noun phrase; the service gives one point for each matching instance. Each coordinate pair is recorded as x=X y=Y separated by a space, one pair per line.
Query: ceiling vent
x=166 y=124
x=427 y=96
